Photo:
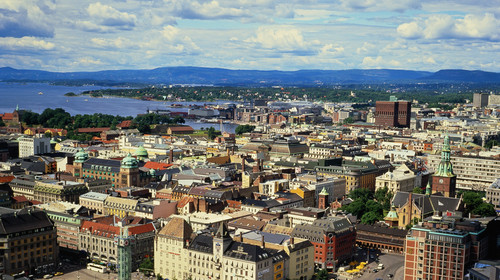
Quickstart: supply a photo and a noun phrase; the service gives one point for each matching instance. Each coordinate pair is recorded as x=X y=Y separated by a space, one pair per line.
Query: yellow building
x=171 y=257
x=121 y=207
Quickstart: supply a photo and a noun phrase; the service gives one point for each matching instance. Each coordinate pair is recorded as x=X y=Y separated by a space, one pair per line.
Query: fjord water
x=37 y=97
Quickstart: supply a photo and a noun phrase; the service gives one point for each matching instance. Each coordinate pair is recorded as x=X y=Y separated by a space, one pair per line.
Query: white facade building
x=29 y=146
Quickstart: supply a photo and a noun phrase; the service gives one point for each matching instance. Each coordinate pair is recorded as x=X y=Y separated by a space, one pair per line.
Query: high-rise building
x=36 y=145
x=393 y=113
x=444 y=180
x=442 y=247
x=480 y=100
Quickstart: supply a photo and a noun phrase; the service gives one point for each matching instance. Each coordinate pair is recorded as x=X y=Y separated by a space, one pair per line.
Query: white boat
x=40 y=93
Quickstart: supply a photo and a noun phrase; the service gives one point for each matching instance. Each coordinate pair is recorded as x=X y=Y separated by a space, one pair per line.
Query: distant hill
x=220 y=76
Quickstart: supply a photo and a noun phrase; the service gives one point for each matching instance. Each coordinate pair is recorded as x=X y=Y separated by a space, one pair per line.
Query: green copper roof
x=141 y=152
x=428 y=189
x=445 y=168
x=129 y=162
x=323 y=192
x=81 y=156
x=392 y=215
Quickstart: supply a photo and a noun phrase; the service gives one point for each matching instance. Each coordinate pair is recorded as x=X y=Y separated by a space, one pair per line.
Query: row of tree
x=59 y=118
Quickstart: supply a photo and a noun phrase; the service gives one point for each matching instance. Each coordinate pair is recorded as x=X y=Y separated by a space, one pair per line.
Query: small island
x=70 y=94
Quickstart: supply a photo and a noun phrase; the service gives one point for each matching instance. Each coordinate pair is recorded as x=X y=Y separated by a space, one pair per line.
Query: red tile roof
x=6 y=179
x=157 y=165
x=8 y=117
x=100 y=229
x=20 y=198
x=92 y=129
x=180 y=128
x=125 y=124
x=141 y=229
x=184 y=201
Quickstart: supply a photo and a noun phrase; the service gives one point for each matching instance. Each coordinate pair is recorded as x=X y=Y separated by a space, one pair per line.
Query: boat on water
x=86 y=100
x=40 y=93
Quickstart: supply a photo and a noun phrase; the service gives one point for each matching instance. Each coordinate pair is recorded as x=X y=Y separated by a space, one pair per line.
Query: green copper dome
x=129 y=162
x=152 y=172
x=141 y=153
x=81 y=156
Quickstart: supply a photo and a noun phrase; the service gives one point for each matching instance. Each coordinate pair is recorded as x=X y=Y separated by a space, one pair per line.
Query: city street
x=85 y=274
x=393 y=264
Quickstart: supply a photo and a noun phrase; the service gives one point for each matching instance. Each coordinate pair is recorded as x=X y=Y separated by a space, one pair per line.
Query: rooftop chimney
x=171 y=155
x=263 y=243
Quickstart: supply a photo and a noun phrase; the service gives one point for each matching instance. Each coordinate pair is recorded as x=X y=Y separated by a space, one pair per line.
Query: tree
x=361 y=193
x=348 y=120
x=491 y=143
x=211 y=133
x=418 y=190
x=472 y=200
x=321 y=275
x=240 y=129
x=369 y=218
x=485 y=210
x=357 y=207
x=48 y=134
x=147 y=265
x=2 y=123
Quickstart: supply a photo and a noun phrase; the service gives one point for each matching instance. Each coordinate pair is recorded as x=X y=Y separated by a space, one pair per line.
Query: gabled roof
x=177 y=228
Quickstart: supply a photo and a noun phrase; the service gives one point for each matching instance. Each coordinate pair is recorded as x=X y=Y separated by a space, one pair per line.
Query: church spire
x=445 y=168
x=428 y=189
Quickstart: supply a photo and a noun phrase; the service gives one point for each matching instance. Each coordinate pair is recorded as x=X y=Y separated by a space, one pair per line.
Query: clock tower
x=444 y=180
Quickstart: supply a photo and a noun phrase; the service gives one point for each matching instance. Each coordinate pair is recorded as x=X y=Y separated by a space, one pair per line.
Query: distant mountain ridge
x=221 y=76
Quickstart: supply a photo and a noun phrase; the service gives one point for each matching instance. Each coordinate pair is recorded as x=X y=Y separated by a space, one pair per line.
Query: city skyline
x=58 y=35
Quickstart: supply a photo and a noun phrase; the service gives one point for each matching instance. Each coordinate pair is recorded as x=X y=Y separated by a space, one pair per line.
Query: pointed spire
x=17 y=107
x=428 y=189
x=222 y=231
x=323 y=192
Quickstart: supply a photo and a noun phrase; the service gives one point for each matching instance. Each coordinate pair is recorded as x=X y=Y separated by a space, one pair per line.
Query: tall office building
x=480 y=100
x=36 y=145
x=442 y=247
x=393 y=113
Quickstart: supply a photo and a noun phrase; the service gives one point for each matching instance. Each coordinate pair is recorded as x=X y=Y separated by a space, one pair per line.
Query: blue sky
x=64 y=35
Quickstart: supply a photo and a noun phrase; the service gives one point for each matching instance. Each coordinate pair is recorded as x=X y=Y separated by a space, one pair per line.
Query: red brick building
x=393 y=113
x=333 y=239
x=441 y=248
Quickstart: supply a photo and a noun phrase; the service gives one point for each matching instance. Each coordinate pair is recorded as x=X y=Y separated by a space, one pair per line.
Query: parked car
x=48 y=276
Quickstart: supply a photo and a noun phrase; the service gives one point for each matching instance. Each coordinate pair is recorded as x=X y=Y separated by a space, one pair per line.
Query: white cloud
x=379 y=62
x=20 y=18
x=109 y=16
x=380 y=5
x=205 y=10
x=484 y=27
x=367 y=47
x=118 y=43
x=25 y=43
x=283 y=39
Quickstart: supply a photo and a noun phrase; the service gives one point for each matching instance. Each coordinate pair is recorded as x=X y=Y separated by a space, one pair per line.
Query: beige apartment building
x=473 y=173
x=94 y=201
x=401 y=179
x=171 y=258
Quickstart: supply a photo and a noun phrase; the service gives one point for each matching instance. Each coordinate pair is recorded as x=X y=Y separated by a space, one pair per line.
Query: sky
x=87 y=35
